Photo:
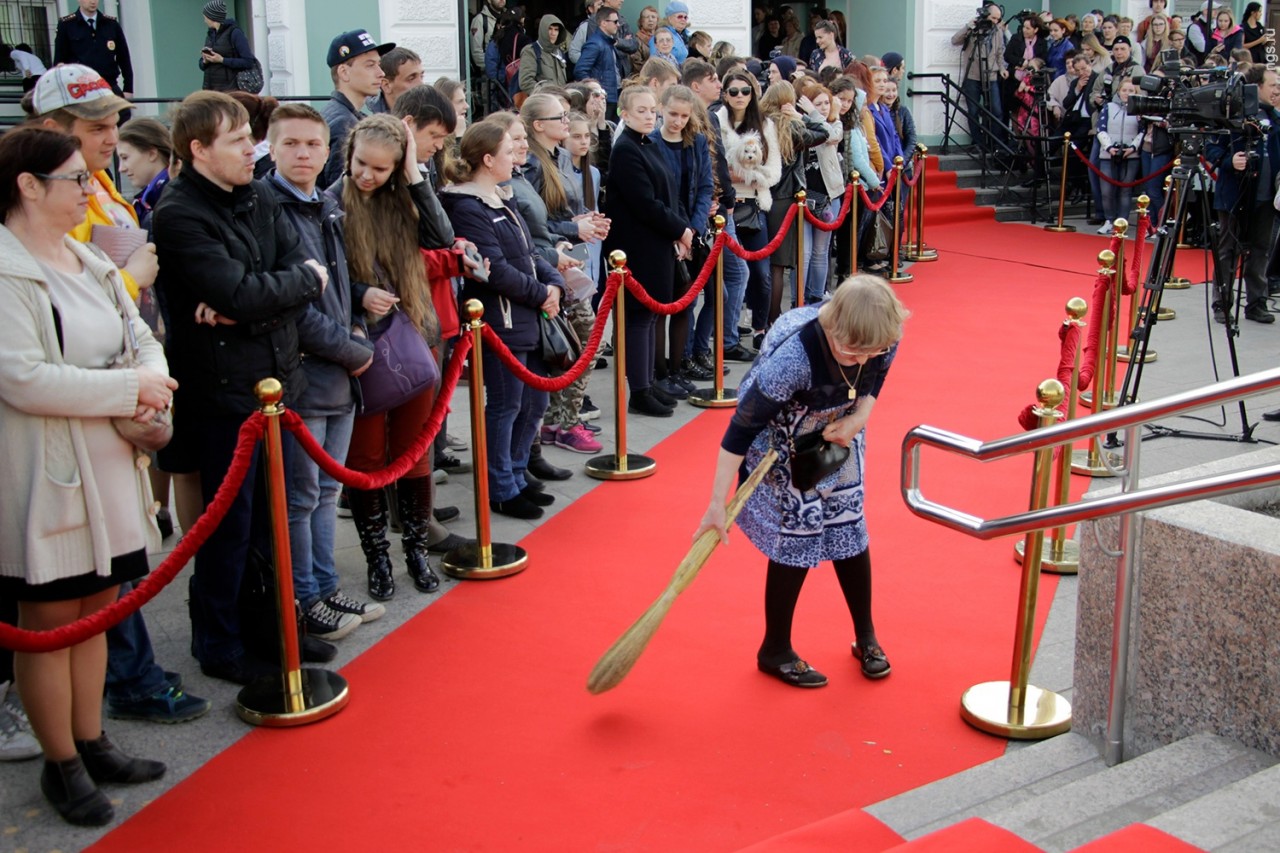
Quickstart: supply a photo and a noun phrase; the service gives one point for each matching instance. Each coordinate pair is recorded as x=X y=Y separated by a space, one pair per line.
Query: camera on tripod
x=983 y=24
x=1038 y=81
x=1221 y=101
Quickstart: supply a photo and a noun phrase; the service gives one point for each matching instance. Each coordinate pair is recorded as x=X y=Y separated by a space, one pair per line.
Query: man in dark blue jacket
x=334 y=352
x=91 y=38
x=598 y=60
x=1247 y=167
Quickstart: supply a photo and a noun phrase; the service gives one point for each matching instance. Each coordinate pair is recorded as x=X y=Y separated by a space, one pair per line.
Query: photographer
x=1246 y=164
x=982 y=64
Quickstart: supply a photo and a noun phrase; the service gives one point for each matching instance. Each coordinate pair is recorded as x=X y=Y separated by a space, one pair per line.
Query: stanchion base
x=928 y=256
x=1122 y=354
x=986 y=707
x=1068 y=564
x=1060 y=229
x=1177 y=283
x=1108 y=402
x=1166 y=314
x=1080 y=464
x=900 y=278
x=706 y=398
x=468 y=562
x=265 y=701
x=634 y=467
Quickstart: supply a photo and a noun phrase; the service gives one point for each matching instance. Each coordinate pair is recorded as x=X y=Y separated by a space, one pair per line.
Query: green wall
x=326 y=19
x=177 y=31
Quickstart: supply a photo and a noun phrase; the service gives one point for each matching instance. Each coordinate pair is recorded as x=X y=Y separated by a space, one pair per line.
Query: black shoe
x=1273 y=415
x=671 y=387
x=517 y=507
x=544 y=470
x=446 y=513
x=796 y=672
x=757 y=341
x=588 y=411
x=643 y=402
x=315 y=650
x=370 y=511
x=165 y=522
x=601 y=363
x=451 y=464
x=533 y=482
x=414 y=495
x=1219 y=315
x=537 y=498
x=449 y=543
x=242 y=670
x=660 y=393
x=68 y=788
x=738 y=352
x=606 y=349
x=745 y=330
x=685 y=383
x=106 y=763
x=1259 y=314
x=695 y=370
x=874 y=662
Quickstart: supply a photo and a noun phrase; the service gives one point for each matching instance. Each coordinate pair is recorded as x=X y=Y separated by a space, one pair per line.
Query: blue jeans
x=1154 y=188
x=819 y=244
x=759 y=280
x=1117 y=201
x=512 y=417
x=735 y=286
x=982 y=128
x=313 y=510
x=1095 y=182
x=132 y=672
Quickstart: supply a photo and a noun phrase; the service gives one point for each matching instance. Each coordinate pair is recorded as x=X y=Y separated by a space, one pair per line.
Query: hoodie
x=544 y=59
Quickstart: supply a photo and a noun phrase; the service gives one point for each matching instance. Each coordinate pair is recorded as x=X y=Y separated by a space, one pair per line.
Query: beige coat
x=52 y=523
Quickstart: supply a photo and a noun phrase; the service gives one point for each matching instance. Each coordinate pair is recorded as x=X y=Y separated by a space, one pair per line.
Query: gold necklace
x=853 y=390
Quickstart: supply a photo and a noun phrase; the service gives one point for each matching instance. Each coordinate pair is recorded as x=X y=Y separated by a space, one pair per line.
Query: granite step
x=1243 y=817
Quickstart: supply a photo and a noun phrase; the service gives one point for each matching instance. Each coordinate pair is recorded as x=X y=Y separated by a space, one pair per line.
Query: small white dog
x=746 y=162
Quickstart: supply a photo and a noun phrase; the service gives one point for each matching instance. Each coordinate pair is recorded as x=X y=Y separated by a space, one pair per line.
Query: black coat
x=645 y=214
x=101 y=47
x=238 y=253
x=229 y=42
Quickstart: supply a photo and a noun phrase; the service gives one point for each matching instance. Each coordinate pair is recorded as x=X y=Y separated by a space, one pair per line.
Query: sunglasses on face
x=734 y=91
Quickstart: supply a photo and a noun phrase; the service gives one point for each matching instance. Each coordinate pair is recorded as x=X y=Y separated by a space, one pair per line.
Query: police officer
x=91 y=38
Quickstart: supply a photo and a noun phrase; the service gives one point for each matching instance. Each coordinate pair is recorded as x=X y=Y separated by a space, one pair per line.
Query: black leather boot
x=106 y=763
x=369 y=509
x=414 y=496
x=542 y=469
x=68 y=788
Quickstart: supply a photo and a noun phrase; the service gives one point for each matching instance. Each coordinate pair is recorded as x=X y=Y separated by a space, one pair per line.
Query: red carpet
x=470 y=727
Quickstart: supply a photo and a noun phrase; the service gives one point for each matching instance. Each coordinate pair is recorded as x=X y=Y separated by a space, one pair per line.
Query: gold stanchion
x=1120 y=228
x=717 y=397
x=895 y=275
x=1014 y=708
x=297 y=696
x=800 y=263
x=1062 y=188
x=1061 y=555
x=482 y=560
x=1135 y=298
x=919 y=251
x=853 y=224
x=621 y=465
x=1089 y=462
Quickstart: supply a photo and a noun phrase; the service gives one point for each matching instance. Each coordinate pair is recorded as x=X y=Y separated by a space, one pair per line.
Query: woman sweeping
x=820 y=370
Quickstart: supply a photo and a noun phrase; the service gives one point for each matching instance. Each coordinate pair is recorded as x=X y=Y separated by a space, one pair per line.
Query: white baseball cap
x=79 y=90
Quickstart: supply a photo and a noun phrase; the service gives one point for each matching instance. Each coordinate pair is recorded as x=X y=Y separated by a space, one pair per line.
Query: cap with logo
x=351 y=44
x=79 y=90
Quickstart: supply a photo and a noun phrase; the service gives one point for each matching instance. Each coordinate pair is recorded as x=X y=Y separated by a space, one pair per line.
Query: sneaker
x=694 y=369
x=327 y=623
x=673 y=388
x=683 y=382
x=548 y=433
x=578 y=440
x=451 y=464
x=16 y=741
x=594 y=429
x=344 y=505
x=455 y=443
x=170 y=705
x=738 y=352
x=1105 y=227
x=439 y=477
x=589 y=410
x=1259 y=314
x=367 y=611
x=757 y=340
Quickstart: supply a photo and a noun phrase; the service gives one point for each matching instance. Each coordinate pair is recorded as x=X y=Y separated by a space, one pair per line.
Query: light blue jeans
x=818 y=242
x=313 y=510
x=735 y=289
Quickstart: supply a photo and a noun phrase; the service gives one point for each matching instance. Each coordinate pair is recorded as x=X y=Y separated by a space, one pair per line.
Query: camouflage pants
x=567 y=404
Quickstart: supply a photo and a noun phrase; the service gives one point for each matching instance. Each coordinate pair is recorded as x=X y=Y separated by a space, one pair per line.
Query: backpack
x=513 y=76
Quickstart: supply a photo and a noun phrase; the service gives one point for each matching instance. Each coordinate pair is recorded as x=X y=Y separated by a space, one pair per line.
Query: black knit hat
x=216 y=11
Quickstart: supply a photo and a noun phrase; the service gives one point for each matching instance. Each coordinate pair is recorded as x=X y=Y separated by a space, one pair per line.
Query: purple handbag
x=403 y=367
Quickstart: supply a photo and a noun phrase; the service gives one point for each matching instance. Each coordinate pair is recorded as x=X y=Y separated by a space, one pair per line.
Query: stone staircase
x=1012 y=203
x=1057 y=795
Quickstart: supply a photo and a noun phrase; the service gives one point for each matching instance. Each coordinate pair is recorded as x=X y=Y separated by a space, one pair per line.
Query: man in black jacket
x=91 y=38
x=355 y=64
x=239 y=280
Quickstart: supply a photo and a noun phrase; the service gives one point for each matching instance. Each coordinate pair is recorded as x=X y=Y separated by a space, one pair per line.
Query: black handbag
x=813 y=458
x=559 y=343
x=746 y=216
x=881 y=239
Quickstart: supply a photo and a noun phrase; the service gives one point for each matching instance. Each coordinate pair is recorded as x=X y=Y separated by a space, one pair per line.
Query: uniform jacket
x=101 y=47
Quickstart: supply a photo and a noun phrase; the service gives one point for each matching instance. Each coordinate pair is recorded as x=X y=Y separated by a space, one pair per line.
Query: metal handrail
x=1086 y=427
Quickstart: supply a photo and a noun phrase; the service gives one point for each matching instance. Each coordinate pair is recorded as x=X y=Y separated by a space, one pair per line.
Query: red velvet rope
x=874 y=206
x=373 y=480
x=845 y=204
x=585 y=360
x=1084 y=159
x=1208 y=167
x=1130 y=284
x=636 y=289
x=113 y=614
x=911 y=182
x=760 y=254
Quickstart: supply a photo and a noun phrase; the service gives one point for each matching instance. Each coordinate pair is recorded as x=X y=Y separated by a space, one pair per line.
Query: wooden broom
x=614 y=664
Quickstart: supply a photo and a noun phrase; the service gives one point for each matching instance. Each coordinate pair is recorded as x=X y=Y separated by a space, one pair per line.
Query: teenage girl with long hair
x=824 y=183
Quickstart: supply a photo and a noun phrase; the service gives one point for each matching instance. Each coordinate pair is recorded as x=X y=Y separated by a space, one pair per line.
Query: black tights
x=782 y=590
x=640 y=345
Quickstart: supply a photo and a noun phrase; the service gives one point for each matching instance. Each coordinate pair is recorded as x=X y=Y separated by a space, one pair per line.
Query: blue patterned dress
x=794 y=388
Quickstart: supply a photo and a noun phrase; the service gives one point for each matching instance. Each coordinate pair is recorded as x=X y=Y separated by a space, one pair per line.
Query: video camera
x=1039 y=81
x=1195 y=100
x=983 y=24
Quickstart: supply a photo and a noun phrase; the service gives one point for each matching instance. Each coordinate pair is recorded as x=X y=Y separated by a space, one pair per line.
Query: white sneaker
x=439 y=477
x=454 y=442
x=1105 y=228
x=326 y=623
x=366 y=611
x=16 y=741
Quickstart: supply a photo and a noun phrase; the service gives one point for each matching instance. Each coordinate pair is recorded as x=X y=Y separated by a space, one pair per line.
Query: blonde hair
x=775 y=97
x=552 y=192
x=863 y=311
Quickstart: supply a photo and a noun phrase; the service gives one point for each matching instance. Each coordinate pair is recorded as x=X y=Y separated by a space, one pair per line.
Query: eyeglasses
x=561 y=117
x=84 y=179
x=735 y=91
x=853 y=352
x=681 y=17
x=610 y=21
x=597 y=93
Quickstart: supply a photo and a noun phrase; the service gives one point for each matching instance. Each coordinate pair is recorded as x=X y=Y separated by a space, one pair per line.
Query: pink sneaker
x=578 y=440
x=549 y=434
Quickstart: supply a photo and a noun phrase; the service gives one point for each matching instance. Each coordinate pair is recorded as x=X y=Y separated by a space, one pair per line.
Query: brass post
x=853 y=223
x=1121 y=229
x=894 y=275
x=1089 y=462
x=482 y=560
x=1062 y=188
x=922 y=251
x=296 y=696
x=1014 y=708
x=800 y=265
x=717 y=397
x=620 y=465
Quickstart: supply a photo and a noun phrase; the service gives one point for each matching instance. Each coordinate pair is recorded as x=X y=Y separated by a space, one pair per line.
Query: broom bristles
x=615 y=663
